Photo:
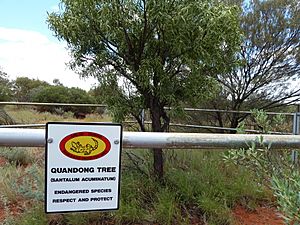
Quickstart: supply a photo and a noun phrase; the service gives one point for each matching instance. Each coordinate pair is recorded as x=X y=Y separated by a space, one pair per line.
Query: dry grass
x=27 y=115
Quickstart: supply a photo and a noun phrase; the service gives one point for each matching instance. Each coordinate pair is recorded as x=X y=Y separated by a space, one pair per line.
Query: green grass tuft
x=32 y=216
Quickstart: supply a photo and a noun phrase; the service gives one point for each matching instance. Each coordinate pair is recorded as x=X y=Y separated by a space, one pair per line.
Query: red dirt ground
x=2 y=214
x=261 y=216
x=13 y=210
x=2 y=161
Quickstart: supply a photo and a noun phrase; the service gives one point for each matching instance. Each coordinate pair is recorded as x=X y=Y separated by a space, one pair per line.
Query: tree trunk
x=220 y=121
x=158 y=163
x=157 y=152
x=234 y=122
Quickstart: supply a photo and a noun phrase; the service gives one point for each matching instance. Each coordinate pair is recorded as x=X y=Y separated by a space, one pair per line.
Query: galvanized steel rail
x=51 y=104
x=148 y=122
x=14 y=137
x=167 y=108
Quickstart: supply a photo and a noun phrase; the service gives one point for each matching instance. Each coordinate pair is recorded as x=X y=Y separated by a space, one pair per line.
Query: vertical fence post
x=142 y=115
x=296 y=131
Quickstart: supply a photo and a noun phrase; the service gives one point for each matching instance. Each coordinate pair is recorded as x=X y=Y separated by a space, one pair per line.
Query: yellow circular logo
x=85 y=145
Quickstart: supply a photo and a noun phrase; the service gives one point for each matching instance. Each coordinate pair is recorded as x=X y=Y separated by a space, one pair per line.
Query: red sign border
x=63 y=142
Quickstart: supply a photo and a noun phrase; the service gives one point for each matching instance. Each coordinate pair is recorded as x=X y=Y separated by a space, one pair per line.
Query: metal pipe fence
x=211 y=127
x=52 y=104
x=105 y=106
x=229 y=111
x=145 y=122
x=14 y=137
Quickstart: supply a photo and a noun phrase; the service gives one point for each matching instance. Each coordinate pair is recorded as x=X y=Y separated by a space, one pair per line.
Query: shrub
x=61 y=94
x=16 y=156
x=274 y=168
x=5 y=118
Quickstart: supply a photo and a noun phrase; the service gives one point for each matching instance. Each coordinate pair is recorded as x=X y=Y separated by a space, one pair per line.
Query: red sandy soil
x=261 y=216
x=12 y=209
x=2 y=214
x=2 y=161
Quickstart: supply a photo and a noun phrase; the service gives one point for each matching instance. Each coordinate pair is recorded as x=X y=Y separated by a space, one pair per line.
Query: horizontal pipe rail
x=52 y=104
x=167 y=108
x=22 y=125
x=205 y=127
x=148 y=122
x=233 y=111
x=223 y=128
x=14 y=137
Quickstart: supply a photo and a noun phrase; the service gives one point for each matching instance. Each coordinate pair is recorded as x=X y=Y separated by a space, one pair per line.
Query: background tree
x=62 y=94
x=267 y=62
x=23 y=86
x=5 y=87
x=148 y=54
x=5 y=95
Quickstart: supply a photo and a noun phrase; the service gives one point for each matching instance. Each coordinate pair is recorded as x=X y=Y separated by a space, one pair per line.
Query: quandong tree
x=149 y=54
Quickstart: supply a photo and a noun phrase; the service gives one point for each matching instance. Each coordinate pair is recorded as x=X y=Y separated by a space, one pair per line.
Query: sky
x=28 y=48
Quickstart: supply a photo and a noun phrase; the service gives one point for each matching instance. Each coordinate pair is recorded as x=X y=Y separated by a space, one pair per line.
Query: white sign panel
x=82 y=167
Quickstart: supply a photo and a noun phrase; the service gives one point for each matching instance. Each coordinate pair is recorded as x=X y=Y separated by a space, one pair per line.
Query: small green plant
x=166 y=207
x=19 y=183
x=5 y=118
x=8 y=181
x=287 y=192
x=266 y=123
x=215 y=212
x=261 y=118
x=32 y=183
x=202 y=180
x=197 y=185
x=32 y=216
x=16 y=156
x=274 y=168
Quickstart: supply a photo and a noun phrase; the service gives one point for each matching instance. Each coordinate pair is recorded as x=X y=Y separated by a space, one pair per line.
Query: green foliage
x=56 y=94
x=159 y=50
x=8 y=179
x=166 y=208
x=149 y=54
x=5 y=118
x=268 y=59
x=214 y=212
x=197 y=185
x=83 y=218
x=267 y=123
x=213 y=187
x=286 y=189
x=187 y=186
x=23 y=86
x=262 y=120
x=260 y=158
x=62 y=94
x=19 y=183
x=98 y=93
x=274 y=168
x=16 y=156
x=5 y=87
x=34 y=216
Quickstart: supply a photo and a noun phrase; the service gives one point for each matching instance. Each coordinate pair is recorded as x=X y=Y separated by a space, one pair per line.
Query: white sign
x=82 y=167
